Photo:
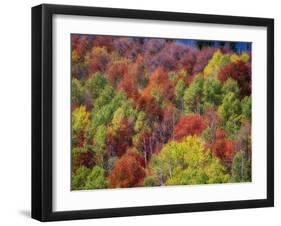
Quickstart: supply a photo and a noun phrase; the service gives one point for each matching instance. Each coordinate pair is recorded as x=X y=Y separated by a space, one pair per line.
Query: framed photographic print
x=146 y=112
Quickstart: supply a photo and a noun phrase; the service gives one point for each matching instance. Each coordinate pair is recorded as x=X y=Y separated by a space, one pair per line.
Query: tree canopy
x=156 y=111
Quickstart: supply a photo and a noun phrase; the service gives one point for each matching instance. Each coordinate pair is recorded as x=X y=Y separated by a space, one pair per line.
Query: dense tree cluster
x=153 y=112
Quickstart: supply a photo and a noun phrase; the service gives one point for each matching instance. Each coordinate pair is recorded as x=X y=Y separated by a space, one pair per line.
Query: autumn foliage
x=222 y=147
x=128 y=171
x=189 y=125
x=115 y=72
x=160 y=85
x=240 y=72
x=159 y=111
x=119 y=141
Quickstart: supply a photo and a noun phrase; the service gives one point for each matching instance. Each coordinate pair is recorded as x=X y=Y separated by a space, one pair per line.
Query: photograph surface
x=159 y=112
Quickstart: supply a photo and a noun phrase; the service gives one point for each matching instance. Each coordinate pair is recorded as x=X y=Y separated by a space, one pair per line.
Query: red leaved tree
x=239 y=71
x=189 y=125
x=222 y=147
x=80 y=44
x=85 y=159
x=121 y=140
x=128 y=171
x=202 y=59
x=148 y=104
x=99 y=58
x=104 y=41
x=159 y=81
x=128 y=85
x=115 y=72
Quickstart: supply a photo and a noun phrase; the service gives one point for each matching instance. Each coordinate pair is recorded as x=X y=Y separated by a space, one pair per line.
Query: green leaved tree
x=79 y=179
x=80 y=123
x=241 y=168
x=99 y=144
x=187 y=162
x=77 y=92
x=96 y=179
x=212 y=94
x=179 y=93
x=193 y=101
x=230 y=85
x=246 y=107
x=230 y=112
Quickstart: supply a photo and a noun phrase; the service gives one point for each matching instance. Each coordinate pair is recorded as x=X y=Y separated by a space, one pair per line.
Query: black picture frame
x=42 y=83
